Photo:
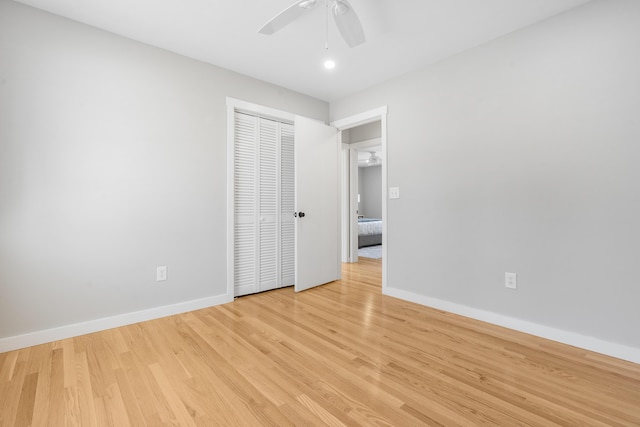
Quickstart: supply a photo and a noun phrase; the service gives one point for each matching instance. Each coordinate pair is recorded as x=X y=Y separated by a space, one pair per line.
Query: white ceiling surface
x=402 y=35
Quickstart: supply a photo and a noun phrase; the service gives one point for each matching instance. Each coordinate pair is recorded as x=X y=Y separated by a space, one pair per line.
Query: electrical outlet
x=510 y=280
x=161 y=273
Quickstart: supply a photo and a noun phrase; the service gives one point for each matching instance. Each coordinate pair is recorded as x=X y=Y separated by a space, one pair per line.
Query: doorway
x=349 y=179
x=370 y=199
x=364 y=143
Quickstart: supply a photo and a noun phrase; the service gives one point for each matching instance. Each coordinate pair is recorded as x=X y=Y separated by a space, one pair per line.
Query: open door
x=317 y=211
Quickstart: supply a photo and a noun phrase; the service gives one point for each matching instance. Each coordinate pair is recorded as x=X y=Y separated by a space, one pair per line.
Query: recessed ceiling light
x=329 y=64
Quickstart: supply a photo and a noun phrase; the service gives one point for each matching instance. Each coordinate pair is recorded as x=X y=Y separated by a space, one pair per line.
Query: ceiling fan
x=343 y=14
x=373 y=160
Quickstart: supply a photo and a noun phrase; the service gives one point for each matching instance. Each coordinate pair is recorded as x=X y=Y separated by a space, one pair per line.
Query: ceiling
x=402 y=35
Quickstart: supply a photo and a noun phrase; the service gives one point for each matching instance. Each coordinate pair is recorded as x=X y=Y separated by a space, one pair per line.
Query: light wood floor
x=341 y=354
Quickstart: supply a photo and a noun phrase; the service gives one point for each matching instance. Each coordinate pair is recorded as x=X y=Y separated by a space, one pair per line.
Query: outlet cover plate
x=510 y=280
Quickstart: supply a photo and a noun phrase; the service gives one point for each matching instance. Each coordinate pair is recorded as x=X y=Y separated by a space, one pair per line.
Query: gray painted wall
x=112 y=162
x=522 y=156
x=370 y=196
x=370 y=182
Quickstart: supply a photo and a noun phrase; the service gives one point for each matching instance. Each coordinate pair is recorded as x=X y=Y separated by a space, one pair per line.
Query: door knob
x=301 y=214
x=298 y=214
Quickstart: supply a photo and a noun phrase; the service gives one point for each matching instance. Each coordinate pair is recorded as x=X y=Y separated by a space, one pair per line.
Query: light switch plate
x=161 y=273
x=394 y=192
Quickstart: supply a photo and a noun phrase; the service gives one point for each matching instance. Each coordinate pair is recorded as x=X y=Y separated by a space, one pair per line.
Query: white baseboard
x=619 y=351
x=77 y=329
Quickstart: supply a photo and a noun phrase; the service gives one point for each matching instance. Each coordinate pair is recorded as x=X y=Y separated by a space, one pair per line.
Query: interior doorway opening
x=363 y=140
x=365 y=144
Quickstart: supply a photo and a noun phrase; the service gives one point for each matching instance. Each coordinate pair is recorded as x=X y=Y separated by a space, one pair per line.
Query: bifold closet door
x=264 y=201
x=287 y=205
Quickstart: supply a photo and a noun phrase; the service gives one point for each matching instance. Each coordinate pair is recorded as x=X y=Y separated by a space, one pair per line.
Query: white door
x=317 y=194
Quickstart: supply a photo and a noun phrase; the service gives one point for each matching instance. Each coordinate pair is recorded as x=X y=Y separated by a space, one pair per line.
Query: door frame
x=349 y=209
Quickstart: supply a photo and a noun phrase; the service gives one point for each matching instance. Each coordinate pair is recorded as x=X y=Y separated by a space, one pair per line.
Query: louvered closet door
x=245 y=193
x=264 y=234
x=268 y=137
x=287 y=206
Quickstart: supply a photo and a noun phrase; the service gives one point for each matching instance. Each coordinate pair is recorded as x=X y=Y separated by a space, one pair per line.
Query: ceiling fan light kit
x=343 y=14
x=373 y=160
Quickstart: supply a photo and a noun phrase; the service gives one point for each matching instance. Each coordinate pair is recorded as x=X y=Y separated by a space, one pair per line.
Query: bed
x=369 y=232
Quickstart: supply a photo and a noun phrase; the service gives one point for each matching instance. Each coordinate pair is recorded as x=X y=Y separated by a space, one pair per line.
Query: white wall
x=523 y=155
x=112 y=162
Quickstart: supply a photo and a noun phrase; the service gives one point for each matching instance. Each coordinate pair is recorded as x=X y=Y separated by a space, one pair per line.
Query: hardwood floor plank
x=8 y=365
x=12 y=386
x=24 y=414
x=56 y=412
x=41 y=402
x=342 y=354
x=180 y=414
x=84 y=393
x=149 y=398
x=69 y=363
x=320 y=412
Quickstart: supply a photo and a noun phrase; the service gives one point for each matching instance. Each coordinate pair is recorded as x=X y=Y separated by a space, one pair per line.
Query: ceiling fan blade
x=287 y=16
x=348 y=23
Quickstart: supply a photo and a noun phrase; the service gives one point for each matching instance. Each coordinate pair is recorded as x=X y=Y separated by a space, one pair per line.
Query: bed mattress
x=369 y=226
